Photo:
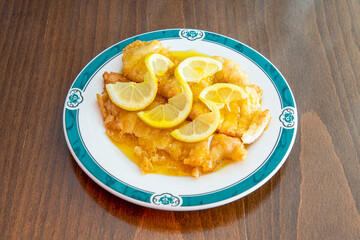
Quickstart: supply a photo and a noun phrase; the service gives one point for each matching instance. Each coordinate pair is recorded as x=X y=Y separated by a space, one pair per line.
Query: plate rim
x=178 y=207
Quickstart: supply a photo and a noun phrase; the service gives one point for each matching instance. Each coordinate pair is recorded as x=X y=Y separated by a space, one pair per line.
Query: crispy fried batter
x=231 y=116
x=242 y=122
x=113 y=77
x=231 y=73
x=238 y=116
x=228 y=147
x=257 y=126
x=156 y=146
x=169 y=87
x=134 y=55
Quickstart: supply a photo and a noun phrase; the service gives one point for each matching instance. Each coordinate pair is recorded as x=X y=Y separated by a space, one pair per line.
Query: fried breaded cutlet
x=242 y=121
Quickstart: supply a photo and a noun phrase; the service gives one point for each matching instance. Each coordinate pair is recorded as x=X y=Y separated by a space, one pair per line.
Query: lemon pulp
x=201 y=127
x=194 y=69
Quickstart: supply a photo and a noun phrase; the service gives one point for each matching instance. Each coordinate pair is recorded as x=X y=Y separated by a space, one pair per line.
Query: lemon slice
x=194 y=69
x=133 y=96
x=201 y=127
x=136 y=96
x=172 y=113
x=158 y=64
x=223 y=93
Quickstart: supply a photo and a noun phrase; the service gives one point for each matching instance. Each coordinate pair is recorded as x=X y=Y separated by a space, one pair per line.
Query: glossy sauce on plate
x=170 y=167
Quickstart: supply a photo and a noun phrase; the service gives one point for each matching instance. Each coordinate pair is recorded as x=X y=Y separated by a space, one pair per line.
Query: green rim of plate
x=188 y=202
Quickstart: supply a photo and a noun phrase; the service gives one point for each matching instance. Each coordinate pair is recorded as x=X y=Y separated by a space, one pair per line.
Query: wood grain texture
x=328 y=207
x=45 y=44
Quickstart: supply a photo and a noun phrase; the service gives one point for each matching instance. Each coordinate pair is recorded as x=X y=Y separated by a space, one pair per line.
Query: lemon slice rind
x=162 y=116
x=223 y=93
x=133 y=96
x=200 y=128
x=194 y=69
x=158 y=63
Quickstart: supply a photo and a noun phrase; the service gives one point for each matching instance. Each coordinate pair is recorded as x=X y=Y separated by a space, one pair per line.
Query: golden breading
x=155 y=146
x=242 y=121
x=232 y=73
x=133 y=58
x=257 y=126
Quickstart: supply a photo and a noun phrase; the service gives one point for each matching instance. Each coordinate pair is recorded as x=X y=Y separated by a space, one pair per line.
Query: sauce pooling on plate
x=152 y=147
x=187 y=54
x=164 y=169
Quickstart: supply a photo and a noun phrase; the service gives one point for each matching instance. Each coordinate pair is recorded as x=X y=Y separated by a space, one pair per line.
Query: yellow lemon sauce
x=164 y=169
x=165 y=164
x=188 y=53
x=171 y=167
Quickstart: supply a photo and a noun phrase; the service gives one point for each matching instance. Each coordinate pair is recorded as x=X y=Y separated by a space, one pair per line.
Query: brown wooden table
x=45 y=44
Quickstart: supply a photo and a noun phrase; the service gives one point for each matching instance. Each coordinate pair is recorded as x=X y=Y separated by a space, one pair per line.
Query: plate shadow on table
x=170 y=221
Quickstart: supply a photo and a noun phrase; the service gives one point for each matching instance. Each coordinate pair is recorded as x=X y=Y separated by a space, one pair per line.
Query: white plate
x=110 y=168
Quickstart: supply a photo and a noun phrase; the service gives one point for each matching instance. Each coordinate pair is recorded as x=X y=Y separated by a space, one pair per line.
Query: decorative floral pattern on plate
x=191 y=34
x=166 y=199
x=75 y=98
x=116 y=173
x=287 y=118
